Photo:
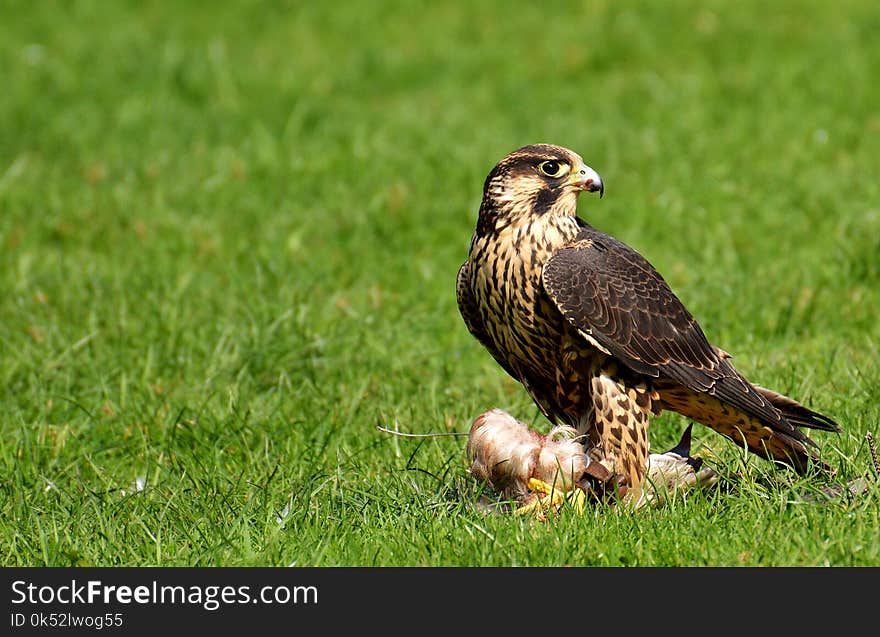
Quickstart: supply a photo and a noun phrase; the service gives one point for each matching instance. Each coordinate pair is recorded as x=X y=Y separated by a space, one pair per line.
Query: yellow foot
x=552 y=499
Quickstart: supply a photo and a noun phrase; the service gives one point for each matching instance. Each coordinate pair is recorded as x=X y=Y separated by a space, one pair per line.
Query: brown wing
x=611 y=293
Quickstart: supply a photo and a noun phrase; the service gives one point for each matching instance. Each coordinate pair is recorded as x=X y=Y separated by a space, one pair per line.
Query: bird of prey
x=595 y=334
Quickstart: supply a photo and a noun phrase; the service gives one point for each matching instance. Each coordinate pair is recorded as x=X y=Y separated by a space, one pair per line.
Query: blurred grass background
x=229 y=234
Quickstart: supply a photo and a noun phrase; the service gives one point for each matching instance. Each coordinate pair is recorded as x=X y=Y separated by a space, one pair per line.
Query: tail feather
x=797 y=414
x=777 y=440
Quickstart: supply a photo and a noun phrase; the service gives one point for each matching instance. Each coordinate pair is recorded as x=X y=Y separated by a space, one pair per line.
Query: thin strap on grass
x=428 y=435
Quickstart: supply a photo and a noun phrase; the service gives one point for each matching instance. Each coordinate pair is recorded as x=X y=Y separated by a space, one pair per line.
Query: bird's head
x=536 y=180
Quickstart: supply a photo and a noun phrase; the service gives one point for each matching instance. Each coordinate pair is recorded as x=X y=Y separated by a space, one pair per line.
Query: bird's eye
x=553 y=168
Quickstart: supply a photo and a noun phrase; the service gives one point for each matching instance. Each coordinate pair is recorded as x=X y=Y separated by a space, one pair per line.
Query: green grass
x=229 y=236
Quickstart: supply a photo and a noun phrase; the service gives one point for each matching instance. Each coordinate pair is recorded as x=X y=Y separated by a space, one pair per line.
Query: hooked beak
x=585 y=178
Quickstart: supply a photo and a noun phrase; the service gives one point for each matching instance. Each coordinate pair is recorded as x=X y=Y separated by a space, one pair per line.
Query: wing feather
x=607 y=289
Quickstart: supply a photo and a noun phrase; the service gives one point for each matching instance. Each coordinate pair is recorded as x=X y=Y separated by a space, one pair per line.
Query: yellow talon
x=553 y=498
x=541 y=487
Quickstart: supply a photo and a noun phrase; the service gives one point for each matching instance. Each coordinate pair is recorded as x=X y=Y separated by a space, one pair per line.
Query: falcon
x=594 y=333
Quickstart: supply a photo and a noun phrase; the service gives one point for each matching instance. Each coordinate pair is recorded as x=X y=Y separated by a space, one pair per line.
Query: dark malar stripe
x=545 y=199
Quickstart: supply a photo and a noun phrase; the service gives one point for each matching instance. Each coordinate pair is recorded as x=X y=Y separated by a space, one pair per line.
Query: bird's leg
x=620 y=433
